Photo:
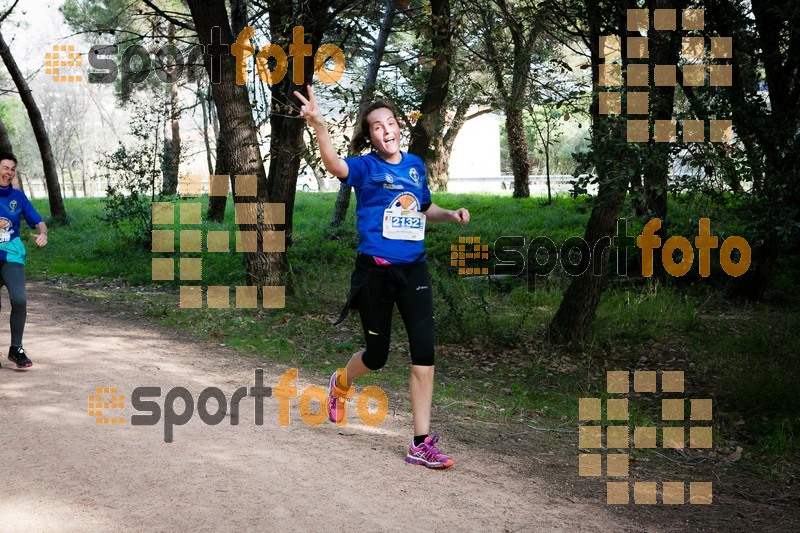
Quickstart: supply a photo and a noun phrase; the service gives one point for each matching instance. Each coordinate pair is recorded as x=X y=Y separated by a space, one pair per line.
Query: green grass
x=492 y=359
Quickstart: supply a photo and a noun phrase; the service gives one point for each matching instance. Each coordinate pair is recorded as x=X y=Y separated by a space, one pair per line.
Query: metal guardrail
x=563 y=178
x=488 y=184
x=559 y=183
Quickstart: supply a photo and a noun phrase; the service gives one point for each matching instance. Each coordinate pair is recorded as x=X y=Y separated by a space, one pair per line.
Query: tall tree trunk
x=172 y=129
x=217 y=204
x=439 y=168
x=222 y=167
x=5 y=142
x=204 y=103
x=518 y=150
x=309 y=149
x=777 y=133
x=341 y=205
x=579 y=305
x=423 y=135
x=343 y=197
x=239 y=129
x=544 y=134
x=83 y=175
x=57 y=211
x=169 y=186
x=172 y=143
x=23 y=178
x=286 y=142
x=63 y=180
x=547 y=166
x=5 y=146
x=72 y=180
x=514 y=97
x=664 y=47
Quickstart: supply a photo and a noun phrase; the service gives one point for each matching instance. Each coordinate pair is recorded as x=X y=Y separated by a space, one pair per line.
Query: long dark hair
x=360 y=140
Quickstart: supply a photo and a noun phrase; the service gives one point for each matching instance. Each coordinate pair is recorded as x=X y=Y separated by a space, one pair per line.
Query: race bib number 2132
x=404 y=225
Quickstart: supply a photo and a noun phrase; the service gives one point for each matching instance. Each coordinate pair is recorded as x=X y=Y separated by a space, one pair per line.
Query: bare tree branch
x=167 y=15
x=7 y=13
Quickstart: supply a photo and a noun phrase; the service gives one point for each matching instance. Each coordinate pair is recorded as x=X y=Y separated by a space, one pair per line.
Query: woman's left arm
x=434 y=213
x=41 y=238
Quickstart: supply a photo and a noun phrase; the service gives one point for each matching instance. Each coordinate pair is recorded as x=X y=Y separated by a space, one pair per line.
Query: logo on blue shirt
x=6 y=230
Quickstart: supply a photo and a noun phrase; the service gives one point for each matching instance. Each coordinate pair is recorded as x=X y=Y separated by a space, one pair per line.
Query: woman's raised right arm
x=313 y=115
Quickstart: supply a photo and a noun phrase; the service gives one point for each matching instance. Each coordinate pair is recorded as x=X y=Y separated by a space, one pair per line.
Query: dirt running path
x=60 y=471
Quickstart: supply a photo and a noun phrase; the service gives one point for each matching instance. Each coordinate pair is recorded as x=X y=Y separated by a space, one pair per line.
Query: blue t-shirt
x=390 y=199
x=13 y=204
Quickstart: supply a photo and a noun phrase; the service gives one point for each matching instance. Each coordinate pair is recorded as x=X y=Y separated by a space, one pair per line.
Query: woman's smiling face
x=384 y=134
x=8 y=170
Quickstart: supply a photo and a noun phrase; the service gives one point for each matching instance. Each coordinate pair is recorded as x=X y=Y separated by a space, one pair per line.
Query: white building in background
x=476 y=151
x=475 y=163
x=475 y=159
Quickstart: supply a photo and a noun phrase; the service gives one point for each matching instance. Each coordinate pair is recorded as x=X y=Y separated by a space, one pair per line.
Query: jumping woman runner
x=393 y=204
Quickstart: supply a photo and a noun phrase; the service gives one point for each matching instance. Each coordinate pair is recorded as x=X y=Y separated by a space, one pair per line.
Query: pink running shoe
x=427 y=454
x=338 y=400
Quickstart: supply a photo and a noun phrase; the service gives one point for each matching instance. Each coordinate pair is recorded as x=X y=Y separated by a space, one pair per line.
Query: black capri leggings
x=375 y=302
x=12 y=275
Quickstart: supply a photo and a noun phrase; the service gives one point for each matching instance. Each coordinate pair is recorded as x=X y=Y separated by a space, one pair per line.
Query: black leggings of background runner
x=13 y=277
